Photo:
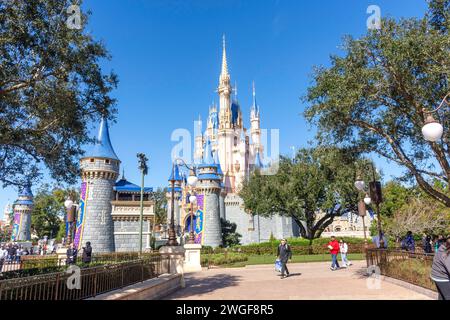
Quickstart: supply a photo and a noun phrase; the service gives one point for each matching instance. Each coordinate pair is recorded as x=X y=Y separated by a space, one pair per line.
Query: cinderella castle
x=226 y=154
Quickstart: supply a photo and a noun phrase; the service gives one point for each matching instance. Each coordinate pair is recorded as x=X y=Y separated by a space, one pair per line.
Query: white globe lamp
x=432 y=130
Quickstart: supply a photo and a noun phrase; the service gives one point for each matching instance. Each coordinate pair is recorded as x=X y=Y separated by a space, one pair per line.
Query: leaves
x=51 y=88
x=373 y=98
x=317 y=180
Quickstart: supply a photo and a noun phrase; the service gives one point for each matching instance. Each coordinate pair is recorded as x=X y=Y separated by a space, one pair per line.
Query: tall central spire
x=224 y=59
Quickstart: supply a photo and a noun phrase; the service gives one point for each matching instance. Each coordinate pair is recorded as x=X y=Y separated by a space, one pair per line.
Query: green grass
x=268 y=259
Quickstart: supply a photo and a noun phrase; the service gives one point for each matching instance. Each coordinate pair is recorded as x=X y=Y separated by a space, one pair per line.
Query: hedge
x=222 y=259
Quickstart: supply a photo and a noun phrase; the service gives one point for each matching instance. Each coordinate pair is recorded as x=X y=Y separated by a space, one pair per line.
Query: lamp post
x=433 y=130
x=375 y=197
x=70 y=218
x=192 y=181
x=144 y=170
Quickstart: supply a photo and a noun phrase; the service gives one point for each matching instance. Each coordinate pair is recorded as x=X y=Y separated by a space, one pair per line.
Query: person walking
x=426 y=243
x=3 y=257
x=440 y=270
x=343 y=248
x=87 y=253
x=71 y=254
x=333 y=245
x=284 y=254
x=408 y=243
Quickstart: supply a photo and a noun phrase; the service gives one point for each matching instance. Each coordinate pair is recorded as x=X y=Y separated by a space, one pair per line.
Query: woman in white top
x=343 y=248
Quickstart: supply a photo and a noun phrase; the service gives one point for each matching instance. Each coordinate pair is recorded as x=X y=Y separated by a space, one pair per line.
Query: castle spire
x=254 y=108
x=224 y=59
x=103 y=147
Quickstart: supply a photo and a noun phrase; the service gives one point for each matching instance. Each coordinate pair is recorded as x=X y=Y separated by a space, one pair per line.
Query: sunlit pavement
x=313 y=281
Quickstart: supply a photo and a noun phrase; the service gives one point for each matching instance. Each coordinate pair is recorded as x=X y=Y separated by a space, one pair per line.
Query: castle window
x=91 y=160
x=235 y=141
x=107 y=161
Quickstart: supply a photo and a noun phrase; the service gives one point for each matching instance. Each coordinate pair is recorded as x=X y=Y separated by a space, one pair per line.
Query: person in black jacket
x=284 y=253
x=87 y=253
x=72 y=254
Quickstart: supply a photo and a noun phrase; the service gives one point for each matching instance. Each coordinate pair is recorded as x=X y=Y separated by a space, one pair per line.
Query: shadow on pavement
x=197 y=286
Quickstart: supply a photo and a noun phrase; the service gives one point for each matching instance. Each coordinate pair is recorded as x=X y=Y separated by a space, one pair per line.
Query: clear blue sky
x=167 y=55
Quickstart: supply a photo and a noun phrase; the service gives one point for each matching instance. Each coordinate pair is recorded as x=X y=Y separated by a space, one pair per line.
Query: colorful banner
x=199 y=221
x=81 y=216
x=16 y=226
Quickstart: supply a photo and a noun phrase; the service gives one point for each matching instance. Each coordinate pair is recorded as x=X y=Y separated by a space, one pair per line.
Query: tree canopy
x=48 y=213
x=313 y=188
x=51 y=88
x=374 y=98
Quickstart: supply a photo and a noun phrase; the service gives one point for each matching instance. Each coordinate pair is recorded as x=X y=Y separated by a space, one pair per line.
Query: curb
x=418 y=289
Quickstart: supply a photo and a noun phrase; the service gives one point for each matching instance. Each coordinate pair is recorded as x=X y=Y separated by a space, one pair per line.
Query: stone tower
x=99 y=171
x=22 y=215
x=209 y=184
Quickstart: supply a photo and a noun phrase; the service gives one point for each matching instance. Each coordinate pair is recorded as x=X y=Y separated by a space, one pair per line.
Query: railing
x=24 y=266
x=412 y=267
x=93 y=280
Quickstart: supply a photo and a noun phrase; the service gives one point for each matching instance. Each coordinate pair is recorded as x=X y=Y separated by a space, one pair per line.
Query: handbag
x=278 y=265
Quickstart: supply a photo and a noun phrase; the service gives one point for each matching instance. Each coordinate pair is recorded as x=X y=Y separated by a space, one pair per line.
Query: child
x=343 y=247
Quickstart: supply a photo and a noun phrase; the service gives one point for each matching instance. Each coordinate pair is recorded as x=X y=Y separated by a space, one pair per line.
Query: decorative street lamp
x=71 y=208
x=375 y=197
x=432 y=130
x=144 y=170
x=192 y=181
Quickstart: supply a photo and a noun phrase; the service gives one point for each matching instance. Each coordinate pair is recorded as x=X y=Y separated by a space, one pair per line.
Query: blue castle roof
x=175 y=174
x=102 y=147
x=235 y=109
x=258 y=162
x=26 y=191
x=208 y=159
x=217 y=161
x=124 y=185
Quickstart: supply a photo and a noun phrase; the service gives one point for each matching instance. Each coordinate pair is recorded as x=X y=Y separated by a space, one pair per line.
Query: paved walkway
x=313 y=281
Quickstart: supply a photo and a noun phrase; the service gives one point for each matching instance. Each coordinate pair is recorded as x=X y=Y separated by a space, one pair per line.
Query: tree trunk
x=310 y=248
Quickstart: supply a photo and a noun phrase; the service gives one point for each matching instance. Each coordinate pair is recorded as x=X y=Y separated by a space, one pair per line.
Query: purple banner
x=80 y=216
x=199 y=225
x=16 y=226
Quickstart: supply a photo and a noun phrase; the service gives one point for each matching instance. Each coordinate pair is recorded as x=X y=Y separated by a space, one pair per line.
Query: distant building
x=348 y=225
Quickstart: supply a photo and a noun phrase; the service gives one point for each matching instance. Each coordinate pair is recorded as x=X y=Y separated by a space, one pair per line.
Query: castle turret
x=255 y=129
x=23 y=208
x=225 y=92
x=209 y=184
x=99 y=171
x=178 y=178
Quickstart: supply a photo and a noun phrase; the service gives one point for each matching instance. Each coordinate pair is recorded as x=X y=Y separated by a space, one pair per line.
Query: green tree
x=48 y=213
x=230 y=237
x=374 y=97
x=439 y=14
x=51 y=88
x=159 y=197
x=395 y=196
x=313 y=189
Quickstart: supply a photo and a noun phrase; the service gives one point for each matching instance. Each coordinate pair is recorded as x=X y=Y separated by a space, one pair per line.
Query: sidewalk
x=313 y=281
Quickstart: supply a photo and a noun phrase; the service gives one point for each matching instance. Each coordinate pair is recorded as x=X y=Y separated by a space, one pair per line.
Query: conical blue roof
x=258 y=162
x=103 y=147
x=26 y=191
x=175 y=174
x=217 y=161
x=207 y=156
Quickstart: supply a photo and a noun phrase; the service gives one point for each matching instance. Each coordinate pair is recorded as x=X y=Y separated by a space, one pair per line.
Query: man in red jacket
x=333 y=245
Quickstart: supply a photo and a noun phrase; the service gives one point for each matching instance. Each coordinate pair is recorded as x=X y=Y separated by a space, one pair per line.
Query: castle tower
x=255 y=129
x=209 y=184
x=198 y=147
x=22 y=215
x=224 y=92
x=99 y=171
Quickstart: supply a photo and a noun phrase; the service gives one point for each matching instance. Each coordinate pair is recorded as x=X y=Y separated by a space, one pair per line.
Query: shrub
x=222 y=258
